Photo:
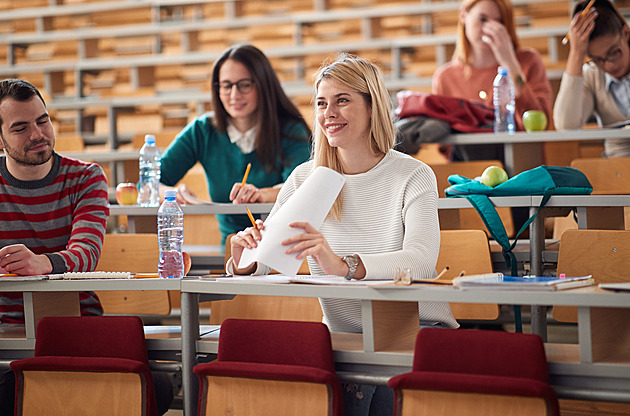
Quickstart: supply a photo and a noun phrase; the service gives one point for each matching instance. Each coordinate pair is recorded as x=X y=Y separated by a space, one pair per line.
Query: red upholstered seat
x=480 y=363
x=254 y=353
x=97 y=352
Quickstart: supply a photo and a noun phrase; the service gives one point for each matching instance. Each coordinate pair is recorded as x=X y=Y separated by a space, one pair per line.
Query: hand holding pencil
x=242 y=192
x=582 y=14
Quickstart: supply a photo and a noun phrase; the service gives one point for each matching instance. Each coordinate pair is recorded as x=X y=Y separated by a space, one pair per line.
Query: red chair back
x=92 y=336
x=493 y=353
x=91 y=344
x=274 y=350
x=305 y=344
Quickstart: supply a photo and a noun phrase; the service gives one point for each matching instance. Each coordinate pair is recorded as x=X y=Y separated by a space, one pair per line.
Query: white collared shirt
x=620 y=91
x=245 y=141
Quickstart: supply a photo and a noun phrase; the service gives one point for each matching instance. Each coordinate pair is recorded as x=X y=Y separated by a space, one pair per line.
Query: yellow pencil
x=582 y=14
x=249 y=166
x=442 y=273
x=9 y=275
x=251 y=217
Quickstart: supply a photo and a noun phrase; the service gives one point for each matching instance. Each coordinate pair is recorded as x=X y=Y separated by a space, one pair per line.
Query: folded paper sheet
x=310 y=203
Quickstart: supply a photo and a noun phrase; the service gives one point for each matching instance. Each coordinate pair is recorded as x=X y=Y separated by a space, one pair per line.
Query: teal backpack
x=542 y=180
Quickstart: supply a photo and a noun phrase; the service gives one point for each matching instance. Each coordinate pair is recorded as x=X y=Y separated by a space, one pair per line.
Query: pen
x=442 y=273
x=582 y=14
x=249 y=166
x=251 y=217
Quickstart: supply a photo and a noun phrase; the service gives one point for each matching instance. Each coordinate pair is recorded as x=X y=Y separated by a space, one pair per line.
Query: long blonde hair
x=462 y=46
x=365 y=78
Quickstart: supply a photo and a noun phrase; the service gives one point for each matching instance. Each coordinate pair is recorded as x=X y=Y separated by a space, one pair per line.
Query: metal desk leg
x=508 y=157
x=190 y=335
x=536 y=247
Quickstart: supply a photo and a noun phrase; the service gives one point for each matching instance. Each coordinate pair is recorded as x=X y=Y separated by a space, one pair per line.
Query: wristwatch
x=353 y=263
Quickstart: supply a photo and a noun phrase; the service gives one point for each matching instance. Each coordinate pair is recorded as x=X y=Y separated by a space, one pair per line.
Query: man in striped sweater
x=53 y=209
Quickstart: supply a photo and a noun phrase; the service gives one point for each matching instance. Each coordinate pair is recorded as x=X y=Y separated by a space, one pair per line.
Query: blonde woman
x=385 y=217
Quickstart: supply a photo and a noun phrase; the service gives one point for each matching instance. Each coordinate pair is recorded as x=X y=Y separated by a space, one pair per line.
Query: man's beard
x=26 y=158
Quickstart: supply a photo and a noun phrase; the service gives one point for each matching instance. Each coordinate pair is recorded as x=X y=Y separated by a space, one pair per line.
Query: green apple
x=534 y=120
x=493 y=176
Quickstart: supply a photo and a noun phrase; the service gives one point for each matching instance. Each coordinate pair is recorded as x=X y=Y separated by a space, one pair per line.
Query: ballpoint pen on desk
x=249 y=166
x=582 y=14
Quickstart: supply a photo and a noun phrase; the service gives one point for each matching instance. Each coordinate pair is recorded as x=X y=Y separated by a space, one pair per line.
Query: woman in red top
x=486 y=40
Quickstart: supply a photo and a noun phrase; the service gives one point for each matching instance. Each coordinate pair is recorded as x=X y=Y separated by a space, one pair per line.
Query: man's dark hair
x=19 y=90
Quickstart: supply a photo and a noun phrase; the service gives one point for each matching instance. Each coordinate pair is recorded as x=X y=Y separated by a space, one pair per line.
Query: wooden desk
x=25 y=341
x=509 y=140
x=557 y=205
x=597 y=368
x=133 y=211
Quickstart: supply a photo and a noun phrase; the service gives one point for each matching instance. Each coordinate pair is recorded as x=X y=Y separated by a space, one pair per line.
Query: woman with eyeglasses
x=486 y=40
x=253 y=122
x=600 y=87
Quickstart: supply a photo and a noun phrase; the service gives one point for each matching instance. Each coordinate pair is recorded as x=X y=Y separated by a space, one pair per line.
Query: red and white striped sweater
x=62 y=216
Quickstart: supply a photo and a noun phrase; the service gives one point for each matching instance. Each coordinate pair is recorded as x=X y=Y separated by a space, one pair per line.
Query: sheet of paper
x=310 y=203
x=266 y=278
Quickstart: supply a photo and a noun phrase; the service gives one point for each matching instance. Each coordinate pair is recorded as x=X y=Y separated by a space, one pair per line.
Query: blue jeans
x=371 y=400
x=367 y=400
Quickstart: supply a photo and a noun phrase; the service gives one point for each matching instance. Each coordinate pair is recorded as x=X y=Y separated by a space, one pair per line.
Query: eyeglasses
x=244 y=86
x=612 y=56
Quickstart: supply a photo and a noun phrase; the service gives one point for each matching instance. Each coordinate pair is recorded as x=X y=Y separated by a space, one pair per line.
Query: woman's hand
x=183 y=190
x=495 y=35
x=580 y=30
x=248 y=238
x=245 y=194
x=312 y=243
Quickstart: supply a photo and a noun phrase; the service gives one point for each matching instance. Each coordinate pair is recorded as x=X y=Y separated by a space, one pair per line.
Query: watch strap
x=353 y=263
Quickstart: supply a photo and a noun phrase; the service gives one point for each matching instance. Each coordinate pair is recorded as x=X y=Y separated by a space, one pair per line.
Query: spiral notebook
x=498 y=281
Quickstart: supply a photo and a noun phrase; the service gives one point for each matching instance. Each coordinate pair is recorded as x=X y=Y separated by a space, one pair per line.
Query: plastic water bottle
x=170 y=220
x=149 y=184
x=503 y=95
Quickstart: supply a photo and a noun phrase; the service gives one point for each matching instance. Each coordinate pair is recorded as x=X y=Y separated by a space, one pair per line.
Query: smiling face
x=240 y=102
x=611 y=53
x=343 y=115
x=26 y=133
x=475 y=18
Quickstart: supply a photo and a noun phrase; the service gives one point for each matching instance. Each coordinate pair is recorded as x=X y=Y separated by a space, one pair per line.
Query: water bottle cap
x=170 y=194
x=149 y=138
x=502 y=70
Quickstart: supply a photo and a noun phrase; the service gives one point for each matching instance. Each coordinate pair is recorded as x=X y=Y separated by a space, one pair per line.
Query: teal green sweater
x=225 y=164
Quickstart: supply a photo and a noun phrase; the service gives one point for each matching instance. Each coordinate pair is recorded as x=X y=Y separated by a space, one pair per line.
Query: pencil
x=249 y=166
x=582 y=14
x=251 y=217
x=442 y=273
x=9 y=275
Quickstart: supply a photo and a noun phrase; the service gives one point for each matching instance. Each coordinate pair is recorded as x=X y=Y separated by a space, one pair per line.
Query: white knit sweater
x=390 y=221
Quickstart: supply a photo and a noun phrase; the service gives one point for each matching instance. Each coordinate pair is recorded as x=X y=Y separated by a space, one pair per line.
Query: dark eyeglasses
x=612 y=56
x=243 y=86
